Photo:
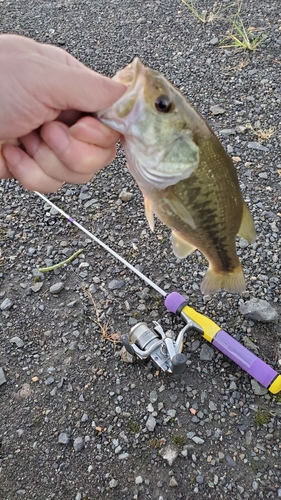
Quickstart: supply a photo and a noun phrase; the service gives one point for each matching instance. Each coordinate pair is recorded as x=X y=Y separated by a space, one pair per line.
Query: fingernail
x=12 y=155
x=57 y=139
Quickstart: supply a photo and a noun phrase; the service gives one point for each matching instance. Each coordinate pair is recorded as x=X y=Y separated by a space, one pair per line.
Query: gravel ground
x=77 y=422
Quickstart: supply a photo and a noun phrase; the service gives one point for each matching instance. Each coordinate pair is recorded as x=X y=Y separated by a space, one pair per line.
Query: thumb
x=68 y=87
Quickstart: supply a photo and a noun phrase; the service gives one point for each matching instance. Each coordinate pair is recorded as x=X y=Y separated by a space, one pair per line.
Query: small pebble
x=258 y=146
x=217 y=110
x=2 y=376
x=57 y=288
x=206 y=353
x=259 y=310
x=169 y=453
x=116 y=284
x=125 y=196
x=173 y=482
x=78 y=444
x=63 y=438
x=258 y=389
x=6 y=304
x=17 y=341
x=150 y=423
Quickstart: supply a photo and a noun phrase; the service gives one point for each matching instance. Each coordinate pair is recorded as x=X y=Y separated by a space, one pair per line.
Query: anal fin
x=181 y=248
x=247 y=228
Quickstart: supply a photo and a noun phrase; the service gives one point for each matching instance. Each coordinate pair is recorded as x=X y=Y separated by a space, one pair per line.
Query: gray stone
x=49 y=381
x=206 y=353
x=6 y=304
x=228 y=131
x=230 y=461
x=259 y=310
x=57 y=288
x=84 y=418
x=169 y=453
x=116 y=284
x=150 y=423
x=258 y=146
x=217 y=110
x=198 y=440
x=17 y=341
x=240 y=129
x=195 y=345
x=173 y=482
x=89 y=203
x=258 y=389
x=72 y=346
x=78 y=444
x=153 y=396
x=37 y=286
x=171 y=413
x=125 y=196
x=126 y=356
x=113 y=483
x=2 y=377
x=212 y=406
x=214 y=41
x=84 y=196
x=63 y=438
x=248 y=437
x=139 y=480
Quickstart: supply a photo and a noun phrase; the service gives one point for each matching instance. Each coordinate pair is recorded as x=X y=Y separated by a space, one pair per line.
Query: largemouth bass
x=186 y=177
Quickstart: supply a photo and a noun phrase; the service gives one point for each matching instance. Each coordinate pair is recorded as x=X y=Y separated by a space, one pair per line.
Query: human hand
x=44 y=96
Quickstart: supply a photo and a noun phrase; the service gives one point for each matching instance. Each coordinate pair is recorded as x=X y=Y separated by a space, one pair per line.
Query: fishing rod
x=167 y=353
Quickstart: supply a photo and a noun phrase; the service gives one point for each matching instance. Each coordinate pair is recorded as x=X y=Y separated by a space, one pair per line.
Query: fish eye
x=163 y=104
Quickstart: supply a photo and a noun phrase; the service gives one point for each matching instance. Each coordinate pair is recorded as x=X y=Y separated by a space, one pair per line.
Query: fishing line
x=103 y=245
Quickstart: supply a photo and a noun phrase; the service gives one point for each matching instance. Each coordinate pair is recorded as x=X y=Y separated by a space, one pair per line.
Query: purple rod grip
x=173 y=301
x=248 y=361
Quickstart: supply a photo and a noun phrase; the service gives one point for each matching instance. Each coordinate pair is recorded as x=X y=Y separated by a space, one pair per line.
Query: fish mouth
x=117 y=116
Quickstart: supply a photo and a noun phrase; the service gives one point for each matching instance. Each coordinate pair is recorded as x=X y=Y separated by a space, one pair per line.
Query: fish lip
x=123 y=112
x=128 y=76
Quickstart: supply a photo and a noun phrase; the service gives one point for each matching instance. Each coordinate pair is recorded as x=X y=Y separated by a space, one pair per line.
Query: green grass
x=205 y=16
x=179 y=440
x=262 y=417
x=154 y=443
x=242 y=38
x=134 y=426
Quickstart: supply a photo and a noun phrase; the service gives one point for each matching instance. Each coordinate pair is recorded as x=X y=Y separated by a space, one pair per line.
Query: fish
x=185 y=175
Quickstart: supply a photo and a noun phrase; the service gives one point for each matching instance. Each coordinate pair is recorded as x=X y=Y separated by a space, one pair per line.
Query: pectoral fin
x=149 y=213
x=180 y=247
x=247 y=228
x=177 y=207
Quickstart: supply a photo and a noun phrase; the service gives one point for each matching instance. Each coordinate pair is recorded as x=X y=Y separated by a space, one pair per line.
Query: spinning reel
x=165 y=353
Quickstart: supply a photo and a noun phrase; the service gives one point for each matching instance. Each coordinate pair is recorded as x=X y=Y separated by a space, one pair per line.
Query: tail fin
x=232 y=282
